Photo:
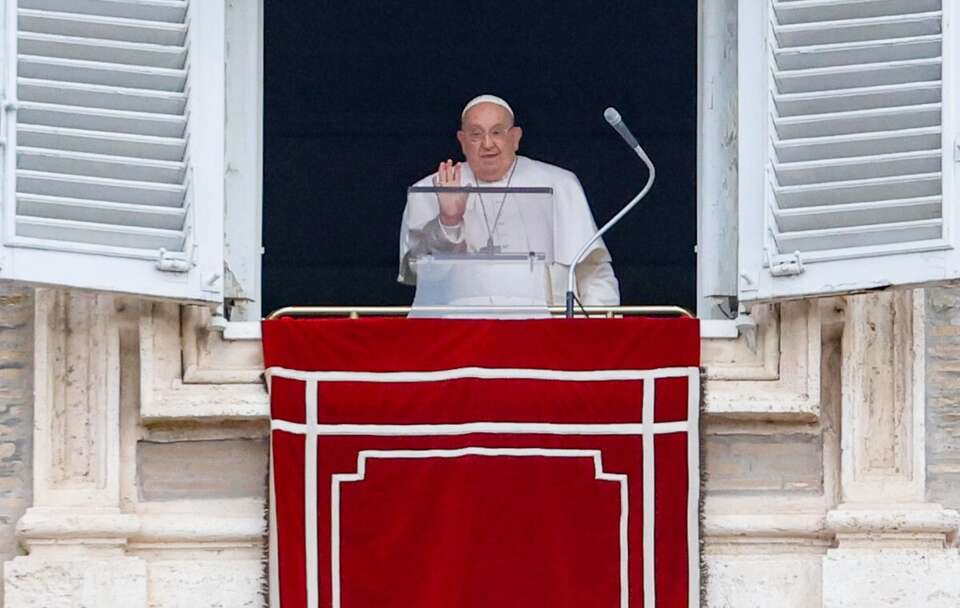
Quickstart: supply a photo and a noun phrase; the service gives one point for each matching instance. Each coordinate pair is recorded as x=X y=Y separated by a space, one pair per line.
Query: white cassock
x=596 y=283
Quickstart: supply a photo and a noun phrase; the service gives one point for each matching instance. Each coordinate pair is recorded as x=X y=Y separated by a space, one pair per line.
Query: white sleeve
x=596 y=283
x=421 y=232
x=454 y=234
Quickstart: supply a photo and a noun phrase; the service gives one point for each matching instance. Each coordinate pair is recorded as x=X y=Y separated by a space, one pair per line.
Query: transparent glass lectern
x=494 y=263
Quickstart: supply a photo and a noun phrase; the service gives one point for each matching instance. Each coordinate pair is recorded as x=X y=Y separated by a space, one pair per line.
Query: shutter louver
x=112 y=137
x=848 y=125
x=101 y=130
x=856 y=158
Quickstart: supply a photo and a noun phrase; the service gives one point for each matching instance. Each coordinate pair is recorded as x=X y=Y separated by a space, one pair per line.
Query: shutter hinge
x=173 y=262
x=785 y=265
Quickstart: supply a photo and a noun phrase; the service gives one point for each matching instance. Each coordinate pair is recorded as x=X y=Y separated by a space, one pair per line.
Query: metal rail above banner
x=355 y=312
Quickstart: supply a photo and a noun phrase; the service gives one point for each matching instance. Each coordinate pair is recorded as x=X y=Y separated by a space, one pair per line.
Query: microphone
x=616 y=121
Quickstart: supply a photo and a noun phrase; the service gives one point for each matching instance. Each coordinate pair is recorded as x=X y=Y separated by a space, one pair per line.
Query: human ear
x=515 y=134
x=462 y=138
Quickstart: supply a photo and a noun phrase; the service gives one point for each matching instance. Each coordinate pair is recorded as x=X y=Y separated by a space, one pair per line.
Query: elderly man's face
x=489 y=140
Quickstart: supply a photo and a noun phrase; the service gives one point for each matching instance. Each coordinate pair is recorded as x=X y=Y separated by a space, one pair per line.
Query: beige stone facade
x=16 y=411
x=829 y=447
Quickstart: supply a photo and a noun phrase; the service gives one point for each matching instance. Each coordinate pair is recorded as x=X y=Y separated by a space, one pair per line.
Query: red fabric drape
x=458 y=514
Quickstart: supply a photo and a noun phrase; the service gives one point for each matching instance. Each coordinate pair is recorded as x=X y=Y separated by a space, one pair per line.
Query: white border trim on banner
x=483 y=373
x=470 y=428
x=649 y=496
x=310 y=496
x=647 y=430
x=693 y=490
x=364 y=455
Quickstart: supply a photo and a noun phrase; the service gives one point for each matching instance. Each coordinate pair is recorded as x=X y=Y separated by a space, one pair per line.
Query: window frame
x=716 y=222
x=717 y=137
x=243 y=179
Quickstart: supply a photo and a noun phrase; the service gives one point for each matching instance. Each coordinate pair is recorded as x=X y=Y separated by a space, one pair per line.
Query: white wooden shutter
x=847 y=129
x=113 y=168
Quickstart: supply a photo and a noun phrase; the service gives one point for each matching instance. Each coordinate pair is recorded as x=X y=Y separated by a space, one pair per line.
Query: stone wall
x=943 y=396
x=174 y=417
x=16 y=408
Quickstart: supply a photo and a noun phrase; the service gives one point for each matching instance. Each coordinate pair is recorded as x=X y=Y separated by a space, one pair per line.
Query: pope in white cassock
x=458 y=222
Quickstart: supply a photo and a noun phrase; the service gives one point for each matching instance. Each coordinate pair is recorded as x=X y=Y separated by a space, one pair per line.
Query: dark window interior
x=363 y=98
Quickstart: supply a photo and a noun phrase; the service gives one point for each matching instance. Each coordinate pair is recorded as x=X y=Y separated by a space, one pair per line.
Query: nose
x=487 y=141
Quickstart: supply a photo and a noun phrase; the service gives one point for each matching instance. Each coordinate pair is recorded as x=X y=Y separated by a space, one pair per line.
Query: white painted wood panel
x=846 y=158
x=103 y=96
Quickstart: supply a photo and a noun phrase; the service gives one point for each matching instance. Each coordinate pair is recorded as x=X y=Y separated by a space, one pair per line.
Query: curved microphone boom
x=616 y=121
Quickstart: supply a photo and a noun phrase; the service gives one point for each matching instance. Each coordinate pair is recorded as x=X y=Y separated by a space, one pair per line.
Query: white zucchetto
x=486 y=99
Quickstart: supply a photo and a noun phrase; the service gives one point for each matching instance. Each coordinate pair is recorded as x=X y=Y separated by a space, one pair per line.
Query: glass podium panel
x=497 y=258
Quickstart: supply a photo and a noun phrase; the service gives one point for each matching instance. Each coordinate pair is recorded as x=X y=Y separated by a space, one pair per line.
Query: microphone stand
x=583 y=250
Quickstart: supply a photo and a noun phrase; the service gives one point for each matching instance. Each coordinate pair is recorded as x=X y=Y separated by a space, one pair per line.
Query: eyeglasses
x=476 y=135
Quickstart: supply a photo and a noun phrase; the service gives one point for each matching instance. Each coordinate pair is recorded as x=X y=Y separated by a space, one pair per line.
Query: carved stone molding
x=77 y=371
x=755 y=500
x=201 y=521
x=892 y=547
x=76 y=533
x=775 y=378
x=883 y=399
x=209 y=359
x=726 y=528
x=203 y=376
x=923 y=525
x=743 y=359
x=188 y=372
x=883 y=457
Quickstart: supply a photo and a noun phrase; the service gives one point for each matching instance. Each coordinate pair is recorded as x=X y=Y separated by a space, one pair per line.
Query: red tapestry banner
x=426 y=463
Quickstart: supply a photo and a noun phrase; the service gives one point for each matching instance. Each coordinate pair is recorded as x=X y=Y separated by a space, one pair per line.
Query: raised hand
x=452 y=204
